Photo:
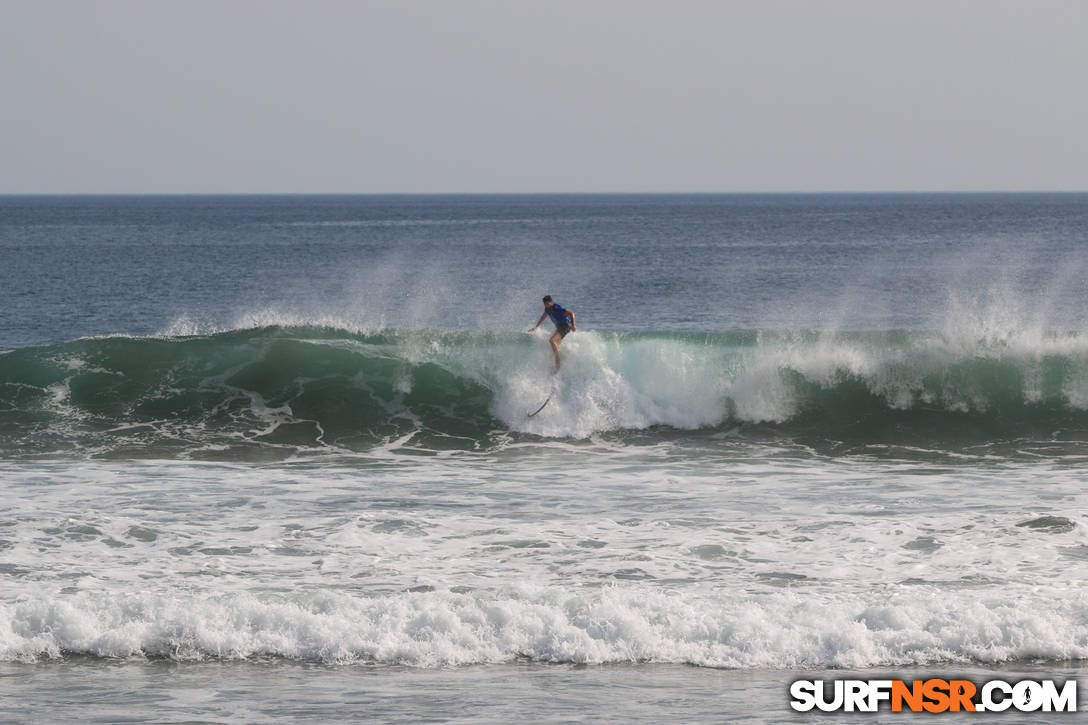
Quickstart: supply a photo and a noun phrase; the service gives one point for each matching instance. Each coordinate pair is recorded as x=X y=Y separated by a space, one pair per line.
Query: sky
x=505 y=96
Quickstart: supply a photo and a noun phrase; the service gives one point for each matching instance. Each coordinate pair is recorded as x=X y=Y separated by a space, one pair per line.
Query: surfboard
x=551 y=394
x=546 y=400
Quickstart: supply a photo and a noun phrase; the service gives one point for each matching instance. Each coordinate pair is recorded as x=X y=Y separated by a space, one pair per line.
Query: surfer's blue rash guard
x=558 y=313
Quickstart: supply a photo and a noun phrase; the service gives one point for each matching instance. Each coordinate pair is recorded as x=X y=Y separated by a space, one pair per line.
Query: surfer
x=564 y=323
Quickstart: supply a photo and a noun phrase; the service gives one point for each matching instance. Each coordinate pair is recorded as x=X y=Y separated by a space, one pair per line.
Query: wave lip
x=275 y=391
x=612 y=625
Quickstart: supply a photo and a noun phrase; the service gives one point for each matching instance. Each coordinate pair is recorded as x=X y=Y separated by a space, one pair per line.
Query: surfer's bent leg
x=556 y=339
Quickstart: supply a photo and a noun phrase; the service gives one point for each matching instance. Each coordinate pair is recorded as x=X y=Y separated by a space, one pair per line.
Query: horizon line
x=538 y=193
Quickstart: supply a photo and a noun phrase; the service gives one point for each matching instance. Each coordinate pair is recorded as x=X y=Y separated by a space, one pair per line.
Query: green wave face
x=274 y=392
x=248 y=394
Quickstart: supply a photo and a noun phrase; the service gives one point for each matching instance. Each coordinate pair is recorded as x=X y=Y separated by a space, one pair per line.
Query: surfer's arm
x=570 y=314
x=538 y=322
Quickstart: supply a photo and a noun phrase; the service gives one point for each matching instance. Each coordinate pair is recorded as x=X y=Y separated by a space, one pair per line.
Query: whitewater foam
x=614 y=624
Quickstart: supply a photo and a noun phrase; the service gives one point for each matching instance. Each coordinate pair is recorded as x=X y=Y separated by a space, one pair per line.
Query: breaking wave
x=613 y=624
x=240 y=392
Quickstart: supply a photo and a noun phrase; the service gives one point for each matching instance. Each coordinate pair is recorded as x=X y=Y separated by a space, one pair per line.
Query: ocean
x=270 y=458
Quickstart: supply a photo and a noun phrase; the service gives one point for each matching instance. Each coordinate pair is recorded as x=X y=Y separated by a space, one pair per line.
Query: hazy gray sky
x=508 y=96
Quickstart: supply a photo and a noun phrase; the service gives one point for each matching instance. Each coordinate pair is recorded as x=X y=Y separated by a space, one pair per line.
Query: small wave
x=520 y=221
x=621 y=624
